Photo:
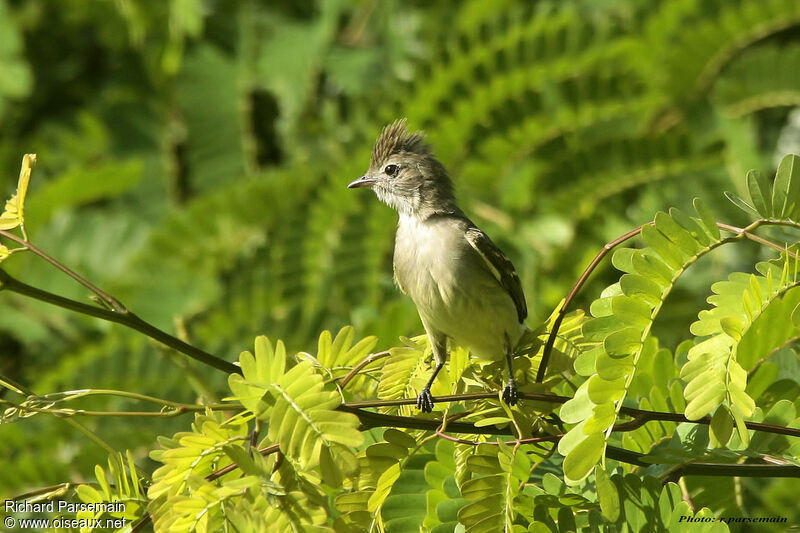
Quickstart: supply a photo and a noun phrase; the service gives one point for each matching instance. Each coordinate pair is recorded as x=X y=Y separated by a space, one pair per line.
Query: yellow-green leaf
x=607 y=494
x=583 y=457
x=741 y=428
x=721 y=427
x=13 y=214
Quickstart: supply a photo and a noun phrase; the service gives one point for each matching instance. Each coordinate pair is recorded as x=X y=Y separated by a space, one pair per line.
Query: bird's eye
x=391 y=170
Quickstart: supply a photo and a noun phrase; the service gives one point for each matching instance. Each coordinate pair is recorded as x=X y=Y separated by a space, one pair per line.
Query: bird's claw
x=510 y=393
x=425 y=401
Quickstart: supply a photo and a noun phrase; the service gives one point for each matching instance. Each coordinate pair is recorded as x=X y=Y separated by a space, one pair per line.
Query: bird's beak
x=363 y=181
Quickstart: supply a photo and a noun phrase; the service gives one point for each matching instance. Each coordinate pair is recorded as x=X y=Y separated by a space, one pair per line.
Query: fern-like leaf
x=299 y=409
x=713 y=374
x=623 y=317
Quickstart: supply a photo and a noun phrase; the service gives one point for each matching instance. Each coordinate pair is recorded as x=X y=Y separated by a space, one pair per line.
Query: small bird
x=464 y=288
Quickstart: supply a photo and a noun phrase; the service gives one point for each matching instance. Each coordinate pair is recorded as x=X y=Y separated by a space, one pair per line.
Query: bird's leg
x=425 y=400
x=510 y=394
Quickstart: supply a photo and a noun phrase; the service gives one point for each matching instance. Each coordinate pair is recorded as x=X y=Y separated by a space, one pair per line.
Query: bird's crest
x=395 y=138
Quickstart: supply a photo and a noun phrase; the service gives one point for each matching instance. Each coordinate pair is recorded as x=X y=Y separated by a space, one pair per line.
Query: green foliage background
x=193 y=158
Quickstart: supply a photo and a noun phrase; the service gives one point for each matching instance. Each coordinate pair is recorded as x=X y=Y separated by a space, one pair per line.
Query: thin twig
x=109 y=300
x=64 y=412
x=551 y=339
x=746 y=233
x=126 y=319
x=356 y=369
x=75 y=424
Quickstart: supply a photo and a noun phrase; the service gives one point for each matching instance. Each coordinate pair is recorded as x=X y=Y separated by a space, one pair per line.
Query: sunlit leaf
x=721 y=427
x=607 y=494
x=13 y=214
x=583 y=457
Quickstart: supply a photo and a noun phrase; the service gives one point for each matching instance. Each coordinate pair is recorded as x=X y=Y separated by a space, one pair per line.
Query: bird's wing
x=500 y=267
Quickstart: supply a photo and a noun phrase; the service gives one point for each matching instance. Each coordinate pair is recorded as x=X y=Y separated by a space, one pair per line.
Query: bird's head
x=405 y=174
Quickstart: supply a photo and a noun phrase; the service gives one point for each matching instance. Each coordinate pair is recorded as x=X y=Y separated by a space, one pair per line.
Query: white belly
x=454 y=292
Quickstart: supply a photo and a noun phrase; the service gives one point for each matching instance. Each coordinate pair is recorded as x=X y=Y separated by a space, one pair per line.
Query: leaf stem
x=20 y=389
x=356 y=369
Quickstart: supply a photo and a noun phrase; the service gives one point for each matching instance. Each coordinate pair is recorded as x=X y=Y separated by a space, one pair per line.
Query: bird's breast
x=435 y=266
x=428 y=259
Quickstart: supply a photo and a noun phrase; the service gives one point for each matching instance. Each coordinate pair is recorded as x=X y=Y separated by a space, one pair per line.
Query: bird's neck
x=426 y=208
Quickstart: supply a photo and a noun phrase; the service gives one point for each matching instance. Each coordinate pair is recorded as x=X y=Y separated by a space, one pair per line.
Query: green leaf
x=652 y=267
x=387 y=449
x=583 y=457
x=692 y=225
x=759 y=189
x=732 y=326
x=721 y=427
x=712 y=393
x=796 y=315
x=669 y=252
x=597 y=329
x=602 y=391
x=385 y=482
x=331 y=474
x=741 y=427
x=707 y=217
x=632 y=310
x=579 y=407
x=622 y=259
x=642 y=287
x=737 y=383
x=741 y=204
x=13 y=214
x=676 y=234
x=623 y=342
x=786 y=189
x=493 y=420
x=399 y=438
x=611 y=368
x=607 y=494
x=603 y=416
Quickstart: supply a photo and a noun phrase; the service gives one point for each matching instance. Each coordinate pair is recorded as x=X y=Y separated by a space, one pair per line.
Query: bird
x=465 y=289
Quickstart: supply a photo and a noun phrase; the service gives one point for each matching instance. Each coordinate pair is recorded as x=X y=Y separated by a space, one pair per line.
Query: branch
x=372 y=420
x=641 y=416
x=125 y=318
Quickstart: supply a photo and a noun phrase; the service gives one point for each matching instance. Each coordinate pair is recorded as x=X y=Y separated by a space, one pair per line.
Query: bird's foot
x=425 y=400
x=510 y=393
